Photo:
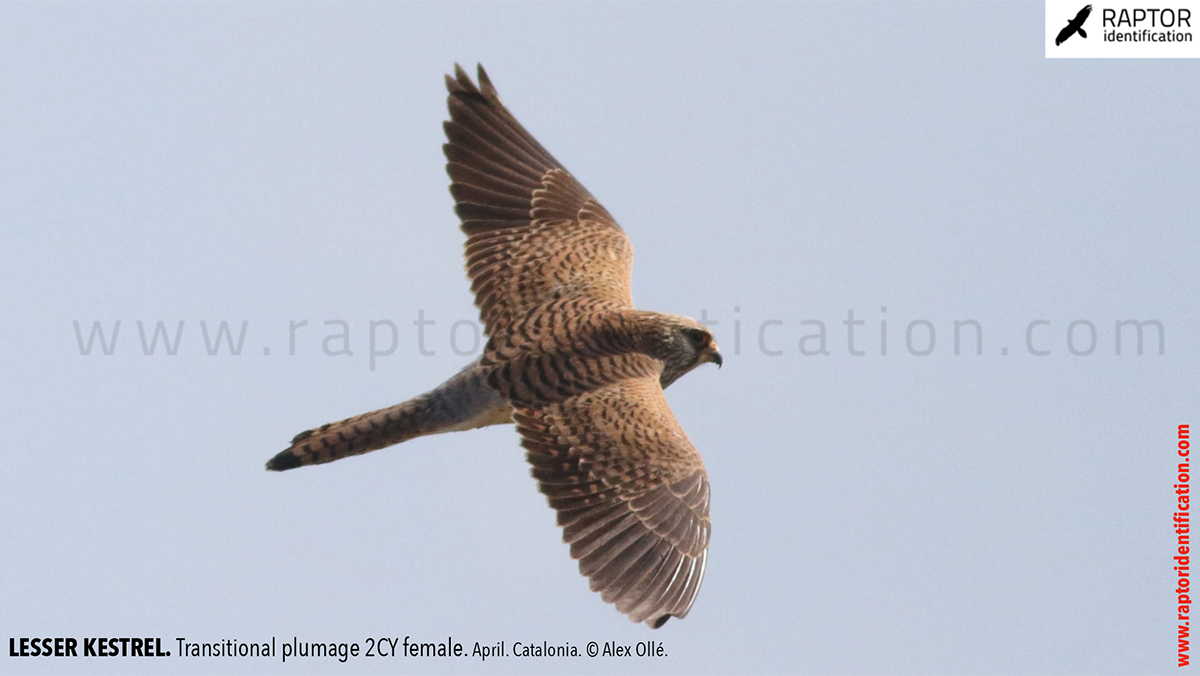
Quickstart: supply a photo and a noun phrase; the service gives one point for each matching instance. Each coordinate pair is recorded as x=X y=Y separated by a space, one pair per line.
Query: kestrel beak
x=715 y=356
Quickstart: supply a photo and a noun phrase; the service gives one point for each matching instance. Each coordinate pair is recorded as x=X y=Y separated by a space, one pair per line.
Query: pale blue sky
x=776 y=166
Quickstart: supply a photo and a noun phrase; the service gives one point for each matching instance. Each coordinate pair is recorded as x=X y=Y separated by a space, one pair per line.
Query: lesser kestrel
x=569 y=360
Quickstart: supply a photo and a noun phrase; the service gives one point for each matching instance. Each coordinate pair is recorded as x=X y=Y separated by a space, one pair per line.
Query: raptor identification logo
x=1122 y=29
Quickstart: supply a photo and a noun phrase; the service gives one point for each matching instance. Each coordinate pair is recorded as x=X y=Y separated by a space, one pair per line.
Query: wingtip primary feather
x=485 y=83
x=461 y=83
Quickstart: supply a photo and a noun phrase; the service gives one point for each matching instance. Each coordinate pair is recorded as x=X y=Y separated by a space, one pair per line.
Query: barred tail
x=464 y=402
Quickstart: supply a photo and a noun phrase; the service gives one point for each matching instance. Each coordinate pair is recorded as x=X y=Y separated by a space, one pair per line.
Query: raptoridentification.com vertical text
x=1183 y=542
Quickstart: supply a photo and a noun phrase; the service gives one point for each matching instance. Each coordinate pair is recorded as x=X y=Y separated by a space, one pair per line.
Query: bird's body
x=1074 y=26
x=569 y=359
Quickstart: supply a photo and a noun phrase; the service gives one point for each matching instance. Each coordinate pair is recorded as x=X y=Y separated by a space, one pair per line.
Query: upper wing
x=534 y=234
x=631 y=494
x=1082 y=15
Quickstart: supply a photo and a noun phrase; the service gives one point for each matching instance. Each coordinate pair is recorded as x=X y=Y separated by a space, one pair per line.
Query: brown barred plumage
x=569 y=360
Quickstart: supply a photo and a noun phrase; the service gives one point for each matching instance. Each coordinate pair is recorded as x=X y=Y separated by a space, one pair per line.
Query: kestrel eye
x=696 y=337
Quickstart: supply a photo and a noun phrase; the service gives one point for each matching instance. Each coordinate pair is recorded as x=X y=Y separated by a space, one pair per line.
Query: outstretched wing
x=1065 y=33
x=534 y=234
x=630 y=491
x=1082 y=15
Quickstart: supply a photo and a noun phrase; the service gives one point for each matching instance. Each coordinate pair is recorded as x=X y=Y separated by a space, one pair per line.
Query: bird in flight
x=1074 y=26
x=568 y=360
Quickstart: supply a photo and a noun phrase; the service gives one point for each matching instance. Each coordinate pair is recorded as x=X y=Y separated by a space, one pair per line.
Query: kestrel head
x=683 y=344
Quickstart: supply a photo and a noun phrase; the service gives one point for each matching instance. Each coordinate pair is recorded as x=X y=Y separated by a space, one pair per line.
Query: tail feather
x=461 y=403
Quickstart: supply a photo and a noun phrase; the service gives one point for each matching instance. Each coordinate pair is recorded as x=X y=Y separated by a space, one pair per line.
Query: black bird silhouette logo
x=1074 y=26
